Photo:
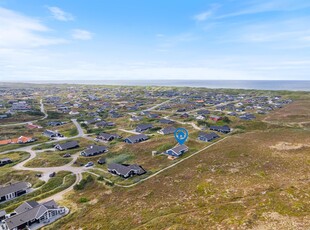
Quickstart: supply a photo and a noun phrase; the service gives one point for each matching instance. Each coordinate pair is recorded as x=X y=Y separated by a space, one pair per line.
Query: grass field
x=298 y=111
x=16 y=157
x=9 y=175
x=48 y=159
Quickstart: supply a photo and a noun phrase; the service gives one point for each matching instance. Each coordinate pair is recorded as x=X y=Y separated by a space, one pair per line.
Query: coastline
x=287 y=85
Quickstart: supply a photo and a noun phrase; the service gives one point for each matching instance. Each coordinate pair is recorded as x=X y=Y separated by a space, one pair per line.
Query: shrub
x=80 y=186
x=73 y=132
x=35 y=113
x=226 y=119
x=109 y=183
x=53 y=115
x=83 y=200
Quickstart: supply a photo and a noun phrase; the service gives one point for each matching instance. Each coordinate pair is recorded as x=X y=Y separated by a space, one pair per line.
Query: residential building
x=177 y=151
x=207 y=136
x=67 y=145
x=125 y=171
x=136 y=138
x=50 y=134
x=201 y=117
x=167 y=130
x=94 y=150
x=5 y=161
x=215 y=118
x=108 y=136
x=55 y=123
x=166 y=121
x=32 y=215
x=143 y=127
x=11 y=191
x=222 y=129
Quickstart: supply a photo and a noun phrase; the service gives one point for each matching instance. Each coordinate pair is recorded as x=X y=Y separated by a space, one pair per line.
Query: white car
x=89 y=164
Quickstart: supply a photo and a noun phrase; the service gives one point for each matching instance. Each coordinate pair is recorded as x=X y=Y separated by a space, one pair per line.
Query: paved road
x=184 y=123
x=24 y=123
x=129 y=131
x=79 y=128
x=158 y=105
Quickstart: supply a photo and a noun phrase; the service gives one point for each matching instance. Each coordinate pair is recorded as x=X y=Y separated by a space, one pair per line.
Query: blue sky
x=154 y=39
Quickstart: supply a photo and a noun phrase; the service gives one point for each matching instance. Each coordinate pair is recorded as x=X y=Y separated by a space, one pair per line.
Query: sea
x=231 y=84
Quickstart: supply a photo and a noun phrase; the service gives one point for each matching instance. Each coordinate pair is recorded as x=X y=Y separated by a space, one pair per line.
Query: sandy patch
x=94 y=201
x=276 y=221
x=282 y=146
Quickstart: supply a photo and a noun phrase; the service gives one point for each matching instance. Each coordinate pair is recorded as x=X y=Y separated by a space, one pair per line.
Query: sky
x=154 y=39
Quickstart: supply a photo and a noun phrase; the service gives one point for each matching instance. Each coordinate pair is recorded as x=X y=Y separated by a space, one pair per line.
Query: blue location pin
x=181 y=135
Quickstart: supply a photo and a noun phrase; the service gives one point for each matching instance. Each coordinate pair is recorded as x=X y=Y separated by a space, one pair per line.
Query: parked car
x=38 y=175
x=67 y=155
x=101 y=161
x=52 y=174
x=89 y=164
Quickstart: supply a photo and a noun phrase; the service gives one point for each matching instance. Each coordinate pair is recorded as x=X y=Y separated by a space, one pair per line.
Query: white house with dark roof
x=108 y=136
x=67 y=145
x=202 y=136
x=94 y=150
x=143 y=127
x=32 y=215
x=167 y=130
x=11 y=191
x=136 y=138
x=177 y=151
x=50 y=134
x=125 y=171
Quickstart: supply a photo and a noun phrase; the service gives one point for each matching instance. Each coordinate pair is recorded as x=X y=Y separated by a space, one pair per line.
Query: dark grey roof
x=32 y=210
x=125 y=169
x=26 y=206
x=166 y=121
x=224 y=128
x=203 y=111
x=5 y=159
x=94 y=149
x=168 y=130
x=144 y=126
x=13 y=188
x=68 y=145
x=49 y=133
x=55 y=123
x=135 y=138
x=105 y=123
x=208 y=136
x=102 y=160
x=107 y=136
x=179 y=148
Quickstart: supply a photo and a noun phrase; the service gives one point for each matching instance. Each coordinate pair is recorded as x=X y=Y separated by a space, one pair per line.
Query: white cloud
x=19 y=31
x=207 y=14
x=262 y=6
x=82 y=34
x=59 y=14
x=160 y=35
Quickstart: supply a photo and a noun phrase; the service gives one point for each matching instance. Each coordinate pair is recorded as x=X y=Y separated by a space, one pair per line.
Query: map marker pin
x=181 y=135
